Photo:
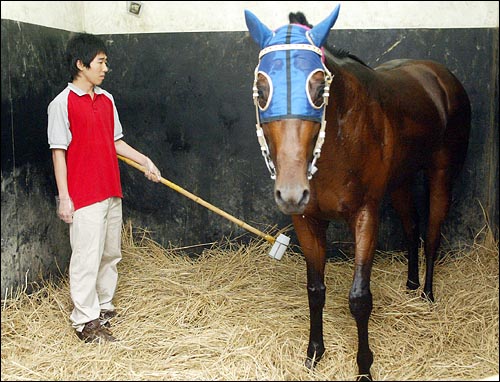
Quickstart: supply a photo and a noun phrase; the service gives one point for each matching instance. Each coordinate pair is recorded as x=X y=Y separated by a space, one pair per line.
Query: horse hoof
x=410 y=285
x=364 y=377
x=309 y=363
x=427 y=296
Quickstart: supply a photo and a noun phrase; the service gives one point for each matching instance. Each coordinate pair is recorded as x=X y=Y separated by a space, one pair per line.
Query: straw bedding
x=234 y=313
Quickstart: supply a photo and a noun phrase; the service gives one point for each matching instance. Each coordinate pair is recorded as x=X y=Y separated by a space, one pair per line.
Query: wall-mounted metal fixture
x=135 y=7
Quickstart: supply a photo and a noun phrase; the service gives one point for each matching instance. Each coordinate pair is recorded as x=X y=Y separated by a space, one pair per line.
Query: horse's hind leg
x=402 y=202
x=439 y=205
x=312 y=238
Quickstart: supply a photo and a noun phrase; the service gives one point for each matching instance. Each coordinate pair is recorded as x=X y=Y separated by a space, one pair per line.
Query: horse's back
x=428 y=78
x=433 y=102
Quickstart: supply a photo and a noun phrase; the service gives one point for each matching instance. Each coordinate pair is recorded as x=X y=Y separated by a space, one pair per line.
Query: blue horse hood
x=288 y=71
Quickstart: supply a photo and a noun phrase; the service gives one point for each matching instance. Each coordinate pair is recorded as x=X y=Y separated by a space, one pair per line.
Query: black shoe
x=94 y=332
x=105 y=316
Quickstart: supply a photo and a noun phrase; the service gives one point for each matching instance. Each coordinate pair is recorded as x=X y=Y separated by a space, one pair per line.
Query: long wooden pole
x=198 y=200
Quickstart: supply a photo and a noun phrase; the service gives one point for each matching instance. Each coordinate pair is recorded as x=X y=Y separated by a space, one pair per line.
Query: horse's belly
x=413 y=148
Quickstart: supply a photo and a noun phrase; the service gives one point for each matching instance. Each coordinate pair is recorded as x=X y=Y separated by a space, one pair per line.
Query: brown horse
x=379 y=129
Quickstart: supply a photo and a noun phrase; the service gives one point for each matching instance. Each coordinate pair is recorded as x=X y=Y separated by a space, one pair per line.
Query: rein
x=311 y=170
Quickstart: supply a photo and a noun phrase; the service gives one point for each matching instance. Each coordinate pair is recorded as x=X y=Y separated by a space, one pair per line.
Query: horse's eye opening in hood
x=265 y=90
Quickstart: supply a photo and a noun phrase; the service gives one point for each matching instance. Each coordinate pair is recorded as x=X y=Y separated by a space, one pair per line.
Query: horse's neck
x=352 y=91
x=351 y=81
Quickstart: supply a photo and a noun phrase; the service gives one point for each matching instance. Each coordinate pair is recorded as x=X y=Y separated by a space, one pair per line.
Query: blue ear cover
x=259 y=32
x=320 y=31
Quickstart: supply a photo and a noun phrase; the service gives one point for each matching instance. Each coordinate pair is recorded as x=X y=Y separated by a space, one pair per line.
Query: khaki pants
x=95 y=237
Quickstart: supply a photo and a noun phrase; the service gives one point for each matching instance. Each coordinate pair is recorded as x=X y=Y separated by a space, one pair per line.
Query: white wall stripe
x=111 y=17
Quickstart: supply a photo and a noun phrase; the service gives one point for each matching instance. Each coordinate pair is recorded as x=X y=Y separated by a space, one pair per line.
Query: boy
x=85 y=136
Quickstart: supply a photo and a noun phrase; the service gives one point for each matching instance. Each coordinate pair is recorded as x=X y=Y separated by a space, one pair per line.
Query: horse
x=337 y=158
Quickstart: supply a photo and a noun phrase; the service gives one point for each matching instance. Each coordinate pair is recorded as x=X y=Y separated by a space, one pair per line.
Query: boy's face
x=96 y=72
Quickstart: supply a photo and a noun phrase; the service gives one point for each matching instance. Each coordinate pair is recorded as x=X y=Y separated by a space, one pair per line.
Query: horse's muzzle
x=292 y=198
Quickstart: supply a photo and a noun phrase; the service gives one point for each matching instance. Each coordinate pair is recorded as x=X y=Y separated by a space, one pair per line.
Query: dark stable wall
x=185 y=100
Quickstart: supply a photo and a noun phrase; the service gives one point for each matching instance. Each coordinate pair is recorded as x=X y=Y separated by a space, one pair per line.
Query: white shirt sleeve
x=58 y=132
x=118 y=125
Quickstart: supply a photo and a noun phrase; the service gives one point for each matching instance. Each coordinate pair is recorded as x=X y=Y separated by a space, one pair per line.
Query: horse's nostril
x=305 y=197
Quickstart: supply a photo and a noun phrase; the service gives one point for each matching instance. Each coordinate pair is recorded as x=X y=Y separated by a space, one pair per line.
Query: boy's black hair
x=83 y=47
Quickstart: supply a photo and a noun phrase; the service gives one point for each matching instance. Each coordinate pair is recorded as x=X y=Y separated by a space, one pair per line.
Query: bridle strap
x=322 y=131
x=274 y=48
x=264 y=148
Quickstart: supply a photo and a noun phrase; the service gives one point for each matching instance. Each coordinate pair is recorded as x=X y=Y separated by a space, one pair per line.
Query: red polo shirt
x=87 y=129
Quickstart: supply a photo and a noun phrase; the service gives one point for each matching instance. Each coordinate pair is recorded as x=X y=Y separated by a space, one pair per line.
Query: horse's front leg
x=364 y=225
x=312 y=238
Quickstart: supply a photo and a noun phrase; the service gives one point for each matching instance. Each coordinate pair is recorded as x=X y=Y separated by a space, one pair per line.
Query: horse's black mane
x=300 y=18
x=343 y=53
